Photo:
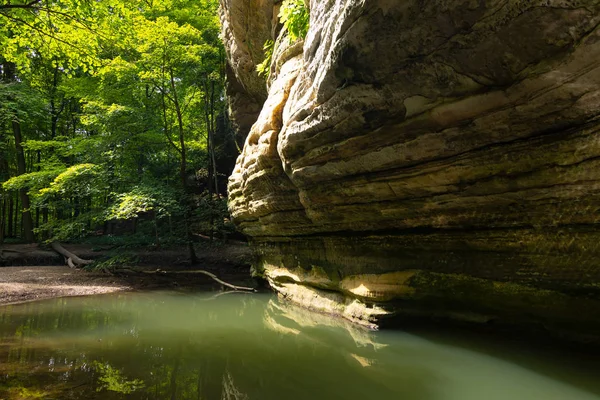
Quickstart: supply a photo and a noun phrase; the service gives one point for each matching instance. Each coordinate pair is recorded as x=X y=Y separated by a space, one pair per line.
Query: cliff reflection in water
x=238 y=346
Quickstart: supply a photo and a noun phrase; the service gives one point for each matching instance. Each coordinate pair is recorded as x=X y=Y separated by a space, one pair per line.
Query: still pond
x=251 y=346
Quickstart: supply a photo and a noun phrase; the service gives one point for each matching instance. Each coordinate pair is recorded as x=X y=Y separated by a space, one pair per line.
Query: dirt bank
x=165 y=269
x=21 y=284
x=232 y=253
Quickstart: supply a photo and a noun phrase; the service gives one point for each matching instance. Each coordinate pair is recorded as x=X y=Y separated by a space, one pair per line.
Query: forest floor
x=32 y=272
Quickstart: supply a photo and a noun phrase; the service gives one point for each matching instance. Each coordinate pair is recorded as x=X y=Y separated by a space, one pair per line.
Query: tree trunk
x=212 y=137
x=183 y=162
x=11 y=204
x=68 y=255
x=37 y=209
x=4 y=171
x=21 y=169
x=54 y=111
x=183 y=170
x=76 y=207
x=2 y=219
x=16 y=224
x=156 y=229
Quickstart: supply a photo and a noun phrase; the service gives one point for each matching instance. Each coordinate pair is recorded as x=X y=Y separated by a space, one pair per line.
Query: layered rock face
x=437 y=158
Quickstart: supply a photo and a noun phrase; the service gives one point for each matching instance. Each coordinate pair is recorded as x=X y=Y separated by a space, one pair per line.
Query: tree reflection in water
x=242 y=347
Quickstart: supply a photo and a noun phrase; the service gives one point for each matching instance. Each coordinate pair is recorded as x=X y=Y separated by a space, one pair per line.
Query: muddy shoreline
x=30 y=272
x=30 y=283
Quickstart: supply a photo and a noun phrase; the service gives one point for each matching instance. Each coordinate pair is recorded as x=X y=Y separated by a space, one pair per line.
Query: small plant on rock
x=295 y=18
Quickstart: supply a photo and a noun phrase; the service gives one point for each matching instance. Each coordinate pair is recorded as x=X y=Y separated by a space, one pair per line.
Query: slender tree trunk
x=21 y=169
x=212 y=137
x=10 y=216
x=89 y=209
x=37 y=209
x=16 y=224
x=156 y=232
x=183 y=170
x=76 y=207
x=58 y=211
x=210 y=201
x=209 y=116
x=183 y=162
x=2 y=219
x=4 y=171
x=54 y=111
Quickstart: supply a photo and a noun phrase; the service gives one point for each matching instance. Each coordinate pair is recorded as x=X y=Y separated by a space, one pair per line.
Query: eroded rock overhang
x=438 y=158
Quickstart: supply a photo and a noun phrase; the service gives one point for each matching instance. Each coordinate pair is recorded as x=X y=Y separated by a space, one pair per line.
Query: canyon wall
x=436 y=158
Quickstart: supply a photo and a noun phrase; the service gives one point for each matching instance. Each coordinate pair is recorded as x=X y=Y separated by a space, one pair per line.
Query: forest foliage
x=112 y=120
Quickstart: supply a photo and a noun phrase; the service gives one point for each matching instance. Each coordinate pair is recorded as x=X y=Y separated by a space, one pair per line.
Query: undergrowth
x=112 y=262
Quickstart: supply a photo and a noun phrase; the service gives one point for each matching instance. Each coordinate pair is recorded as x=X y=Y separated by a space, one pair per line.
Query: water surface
x=246 y=346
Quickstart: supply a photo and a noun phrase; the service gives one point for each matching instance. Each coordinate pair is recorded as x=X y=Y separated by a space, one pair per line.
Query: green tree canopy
x=109 y=111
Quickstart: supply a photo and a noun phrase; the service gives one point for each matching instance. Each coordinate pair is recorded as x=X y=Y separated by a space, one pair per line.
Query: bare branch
x=162 y=91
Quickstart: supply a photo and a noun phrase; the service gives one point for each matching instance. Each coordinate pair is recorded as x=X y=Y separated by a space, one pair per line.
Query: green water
x=241 y=346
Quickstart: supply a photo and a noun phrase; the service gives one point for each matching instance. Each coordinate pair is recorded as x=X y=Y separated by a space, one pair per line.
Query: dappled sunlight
x=18 y=284
x=19 y=292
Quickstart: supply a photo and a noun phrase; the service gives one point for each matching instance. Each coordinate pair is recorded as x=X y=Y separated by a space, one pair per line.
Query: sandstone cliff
x=438 y=158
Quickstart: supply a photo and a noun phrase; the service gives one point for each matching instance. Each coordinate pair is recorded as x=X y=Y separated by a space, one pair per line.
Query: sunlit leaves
x=165 y=45
x=264 y=68
x=78 y=180
x=295 y=18
x=95 y=90
x=142 y=199
x=71 y=33
x=39 y=179
x=131 y=205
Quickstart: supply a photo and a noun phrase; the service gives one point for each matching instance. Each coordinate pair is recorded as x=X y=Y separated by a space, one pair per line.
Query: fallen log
x=11 y=251
x=214 y=277
x=75 y=260
x=203 y=272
